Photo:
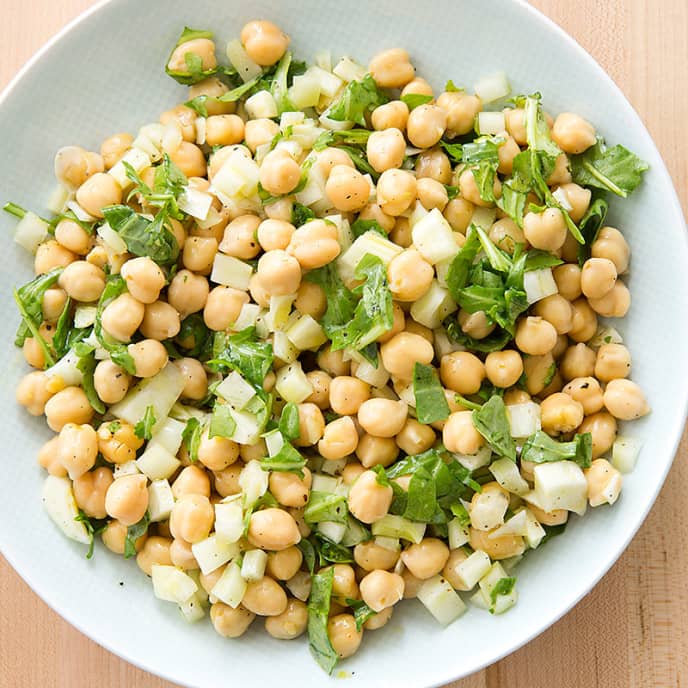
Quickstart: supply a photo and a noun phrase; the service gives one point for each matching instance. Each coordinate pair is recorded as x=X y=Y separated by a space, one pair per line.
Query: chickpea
x=538 y=373
x=74 y=165
x=497 y=548
x=264 y=597
x=396 y=190
x=469 y=189
x=568 y=280
x=291 y=623
x=191 y=480
x=598 y=277
x=368 y=500
x=561 y=173
x=382 y=417
x=239 y=239
x=149 y=355
x=432 y=194
x=333 y=362
x=615 y=303
x=351 y=471
x=505 y=233
x=187 y=293
x=409 y=275
x=425 y=125
x=339 y=439
x=462 y=372
x=127 y=499
x=273 y=529
x=144 y=279
x=610 y=244
x=82 y=281
x=89 y=491
x=613 y=361
x=386 y=149
x=279 y=273
x=475 y=325
x=195 y=378
x=625 y=400
x=402 y=351
x=329 y=158
x=347 y=188
x=433 y=164
x=314 y=244
x=572 y=133
x=227 y=481
x=401 y=233
x=604 y=483
x=561 y=413
x=535 y=336
x=51 y=255
x=189 y=158
x=259 y=131
x=311 y=300
x=274 y=234
x=344 y=637
x=77 y=449
x=578 y=361
x=371 y=557
x=117 y=441
x=183 y=118
x=461 y=110
x=284 y=564
x=398 y=324
x=123 y=316
x=49 y=459
x=557 y=311
x=392 y=115
x=216 y=453
x=602 y=427
x=459 y=434
x=289 y=489
x=223 y=307
x=73 y=237
x=114 y=147
x=546 y=230
x=415 y=437
x=192 y=518
x=230 y=622
x=156 y=550
x=202 y=48
x=54 y=300
x=114 y=537
x=347 y=394
x=69 y=405
x=374 y=451
x=320 y=382
x=33 y=353
x=586 y=391
x=584 y=321
x=279 y=172
x=382 y=589
x=223 y=130
x=450 y=572
x=504 y=368
x=578 y=198
x=427 y=558
x=488 y=507
x=411 y=584
x=182 y=555
x=199 y=253
x=392 y=68
x=506 y=153
x=97 y=192
x=264 y=42
x=550 y=518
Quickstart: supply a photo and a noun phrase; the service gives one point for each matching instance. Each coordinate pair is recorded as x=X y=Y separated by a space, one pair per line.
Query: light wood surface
x=632 y=630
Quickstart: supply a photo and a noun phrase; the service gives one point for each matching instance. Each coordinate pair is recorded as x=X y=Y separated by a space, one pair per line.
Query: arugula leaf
x=499 y=260
x=142 y=236
x=414 y=100
x=460 y=267
x=318 y=615
x=359 y=99
x=541 y=448
x=94 y=526
x=331 y=552
x=289 y=424
x=503 y=586
x=460 y=512
x=133 y=534
x=244 y=353
x=87 y=365
x=611 y=169
x=114 y=286
x=373 y=315
x=353 y=137
x=552 y=531
x=309 y=554
x=62 y=339
x=537 y=260
x=482 y=159
x=300 y=214
x=450 y=87
x=29 y=298
x=325 y=506
x=194 y=332
x=341 y=302
x=590 y=225
x=199 y=103
x=279 y=84
x=453 y=150
x=421 y=497
x=221 y=422
x=194 y=67
x=431 y=404
x=144 y=428
x=493 y=342
x=362 y=612
x=191 y=437
x=492 y=423
x=287 y=460
x=360 y=161
x=513 y=202
x=362 y=226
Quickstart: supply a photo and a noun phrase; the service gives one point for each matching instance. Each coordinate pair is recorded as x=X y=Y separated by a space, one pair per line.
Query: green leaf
x=300 y=214
x=133 y=534
x=194 y=68
x=362 y=612
x=421 y=497
x=537 y=260
x=431 y=404
x=414 y=100
x=221 y=422
x=359 y=99
x=318 y=615
x=289 y=424
x=541 y=448
x=492 y=423
x=287 y=460
x=195 y=332
x=362 y=226
x=611 y=169
x=495 y=341
x=503 y=586
x=450 y=87
x=244 y=353
x=499 y=260
x=513 y=202
x=590 y=225
x=309 y=554
x=460 y=267
x=144 y=428
x=341 y=302
x=279 y=85
x=331 y=552
x=552 y=531
x=325 y=506
x=94 y=526
x=453 y=150
x=62 y=339
x=191 y=437
x=87 y=365
x=352 y=137
x=460 y=512
x=29 y=298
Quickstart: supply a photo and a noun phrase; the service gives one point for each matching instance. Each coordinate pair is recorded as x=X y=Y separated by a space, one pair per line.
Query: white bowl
x=104 y=74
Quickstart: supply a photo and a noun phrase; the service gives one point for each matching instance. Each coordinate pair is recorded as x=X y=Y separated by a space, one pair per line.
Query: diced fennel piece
x=487 y=584
x=539 y=284
x=434 y=306
x=238 y=177
x=65 y=371
x=458 y=535
x=136 y=157
x=333 y=467
x=149 y=141
x=433 y=237
x=370 y=242
x=304 y=91
x=289 y=119
x=80 y=213
x=605 y=335
x=160 y=500
x=283 y=349
x=329 y=83
x=334 y=124
x=231 y=272
x=524 y=419
x=534 y=531
x=248 y=315
x=331 y=530
x=261 y=105
x=306 y=333
x=478 y=600
x=516 y=525
x=366 y=371
x=314 y=191
x=323 y=59
x=560 y=196
x=274 y=441
x=30 y=232
x=306 y=134
x=235 y=390
x=506 y=473
x=214 y=552
x=392 y=544
x=201 y=125
x=349 y=70
x=484 y=217
x=168 y=434
x=230 y=586
x=253 y=565
x=229 y=519
x=84 y=316
x=324 y=483
x=247 y=427
x=172 y=585
x=192 y=610
x=59 y=503
x=57 y=199
x=442 y=271
x=239 y=59
x=355 y=533
x=160 y=391
x=195 y=202
x=292 y=384
x=625 y=452
x=126 y=468
x=278 y=313
x=474 y=461
x=471 y=570
x=184 y=413
x=157 y=463
x=417 y=214
x=253 y=481
x=492 y=87
x=290 y=146
x=299 y=585
x=441 y=600
x=399 y=527
x=490 y=123
x=444 y=345
x=561 y=485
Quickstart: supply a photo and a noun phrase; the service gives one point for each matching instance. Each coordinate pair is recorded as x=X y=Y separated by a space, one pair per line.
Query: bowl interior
x=106 y=75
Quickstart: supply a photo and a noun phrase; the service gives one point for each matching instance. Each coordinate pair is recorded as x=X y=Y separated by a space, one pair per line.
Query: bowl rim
x=538 y=16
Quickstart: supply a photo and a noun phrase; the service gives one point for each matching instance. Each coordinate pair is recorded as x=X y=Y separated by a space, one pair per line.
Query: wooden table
x=632 y=630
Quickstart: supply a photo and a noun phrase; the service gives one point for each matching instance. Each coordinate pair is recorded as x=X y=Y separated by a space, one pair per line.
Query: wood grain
x=632 y=630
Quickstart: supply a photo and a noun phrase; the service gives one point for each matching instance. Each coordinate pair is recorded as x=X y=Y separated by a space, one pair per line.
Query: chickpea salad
x=322 y=339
